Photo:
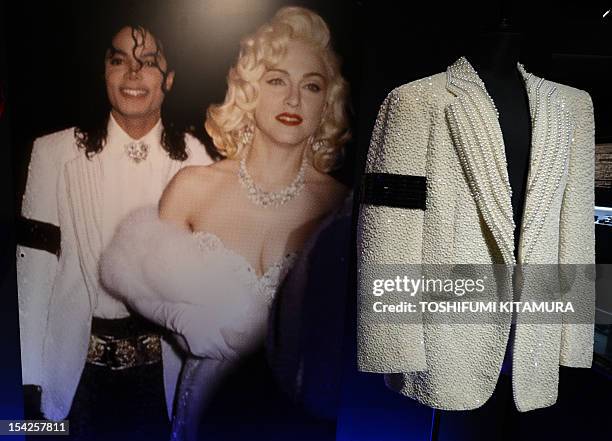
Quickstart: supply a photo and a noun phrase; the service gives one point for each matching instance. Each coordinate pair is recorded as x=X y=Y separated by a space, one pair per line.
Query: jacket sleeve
x=36 y=268
x=577 y=240
x=391 y=234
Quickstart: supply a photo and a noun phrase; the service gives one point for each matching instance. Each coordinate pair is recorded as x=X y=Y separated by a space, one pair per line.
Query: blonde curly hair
x=226 y=123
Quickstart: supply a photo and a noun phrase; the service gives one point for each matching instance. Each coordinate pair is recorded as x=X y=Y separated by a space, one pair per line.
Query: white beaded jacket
x=445 y=128
x=58 y=294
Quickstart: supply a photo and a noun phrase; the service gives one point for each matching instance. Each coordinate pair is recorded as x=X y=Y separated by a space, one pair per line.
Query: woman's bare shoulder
x=196 y=177
x=190 y=189
x=326 y=191
x=324 y=183
x=192 y=173
x=225 y=166
x=189 y=183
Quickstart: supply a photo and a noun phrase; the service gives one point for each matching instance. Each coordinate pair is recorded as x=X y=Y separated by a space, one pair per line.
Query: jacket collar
x=117 y=138
x=476 y=133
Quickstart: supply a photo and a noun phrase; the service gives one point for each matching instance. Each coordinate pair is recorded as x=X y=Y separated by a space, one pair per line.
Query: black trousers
x=120 y=405
x=117 y=405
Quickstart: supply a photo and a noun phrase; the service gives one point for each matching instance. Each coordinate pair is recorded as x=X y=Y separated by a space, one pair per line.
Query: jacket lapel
x=477 y=136
x=552 y=126
x=83 y=183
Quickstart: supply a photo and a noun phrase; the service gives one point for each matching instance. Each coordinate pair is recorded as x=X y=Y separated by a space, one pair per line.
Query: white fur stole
x=150 y=262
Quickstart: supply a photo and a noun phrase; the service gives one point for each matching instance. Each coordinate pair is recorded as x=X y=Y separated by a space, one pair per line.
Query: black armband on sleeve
x=392 y=190
x=39 y=235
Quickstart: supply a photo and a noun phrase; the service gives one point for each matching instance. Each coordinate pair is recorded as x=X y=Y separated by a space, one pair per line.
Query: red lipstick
x=289 y=119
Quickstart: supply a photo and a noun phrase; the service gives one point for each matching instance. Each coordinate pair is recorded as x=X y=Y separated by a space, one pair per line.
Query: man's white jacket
x=443 y=132
x=58 y=294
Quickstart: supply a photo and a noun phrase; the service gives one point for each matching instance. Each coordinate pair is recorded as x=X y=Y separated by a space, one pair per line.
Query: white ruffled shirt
x=128 y=185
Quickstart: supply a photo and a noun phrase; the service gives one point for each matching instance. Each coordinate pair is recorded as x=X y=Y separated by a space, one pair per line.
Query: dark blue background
x=11 y=406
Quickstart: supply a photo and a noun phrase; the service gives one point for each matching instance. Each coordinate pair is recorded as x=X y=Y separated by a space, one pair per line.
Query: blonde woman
x=231 y=231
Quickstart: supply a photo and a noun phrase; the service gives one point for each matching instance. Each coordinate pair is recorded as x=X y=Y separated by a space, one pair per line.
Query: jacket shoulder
x=59 y=144
x=423 y=87
x=416 y=97
x=577 y=98
x=421 y=95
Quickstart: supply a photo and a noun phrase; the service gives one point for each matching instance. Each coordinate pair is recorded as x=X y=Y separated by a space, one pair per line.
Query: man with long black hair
x=85 y=356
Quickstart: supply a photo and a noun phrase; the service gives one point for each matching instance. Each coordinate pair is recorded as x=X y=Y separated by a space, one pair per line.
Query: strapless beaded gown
x=201 y=375
x=207 y=294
